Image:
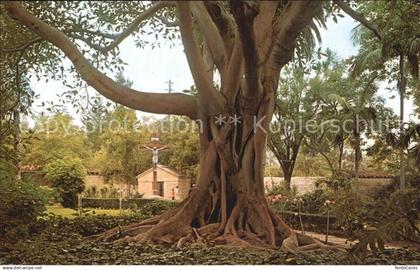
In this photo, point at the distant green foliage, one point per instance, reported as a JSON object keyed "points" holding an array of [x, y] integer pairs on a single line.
{"points": [[184, 147], [6, 170], [56, 136], [21, 204], [119, 154], [67, 177]]}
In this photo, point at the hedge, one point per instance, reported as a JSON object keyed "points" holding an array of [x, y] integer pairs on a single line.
{"points": [[110, 203]]}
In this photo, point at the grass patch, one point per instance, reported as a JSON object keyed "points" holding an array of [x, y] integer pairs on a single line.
{"points": [[71, 213]]}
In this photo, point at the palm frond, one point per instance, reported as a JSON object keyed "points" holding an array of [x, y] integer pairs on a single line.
{"points": [[342, 101], [365, 60]]}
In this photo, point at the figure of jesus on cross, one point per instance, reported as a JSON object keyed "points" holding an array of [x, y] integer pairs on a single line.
{"points": [[155, 147]]}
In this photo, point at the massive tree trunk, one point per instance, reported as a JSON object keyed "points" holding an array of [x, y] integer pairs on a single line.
{"points": [[248, 45]]}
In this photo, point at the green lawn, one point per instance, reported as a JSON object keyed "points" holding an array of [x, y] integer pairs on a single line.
{"points": [[70, 213]]}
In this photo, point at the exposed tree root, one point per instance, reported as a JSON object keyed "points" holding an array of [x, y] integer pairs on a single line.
{"points": [[298, 243], [174, 230]]}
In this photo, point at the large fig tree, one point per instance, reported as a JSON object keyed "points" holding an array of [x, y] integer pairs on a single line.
{"points": [[247, 43]]}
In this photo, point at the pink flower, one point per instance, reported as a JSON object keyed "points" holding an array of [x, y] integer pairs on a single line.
{"points": [[328, 202]]}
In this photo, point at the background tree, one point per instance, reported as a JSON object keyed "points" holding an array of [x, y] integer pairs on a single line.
{"points": [[67, 177], [357, 114], [15, 100], [183, 152], [120, 156], [389, 43], [327, 127], [94, 120], [55, 137], [290, 118]]}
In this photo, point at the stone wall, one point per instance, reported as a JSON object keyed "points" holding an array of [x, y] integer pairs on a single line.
{"points": [[91, 180], [97, 181], [307, 184], [303, 184], [371, 185]]}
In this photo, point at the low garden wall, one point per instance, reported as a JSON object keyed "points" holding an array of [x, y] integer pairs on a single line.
{"points": [[308, 184]]}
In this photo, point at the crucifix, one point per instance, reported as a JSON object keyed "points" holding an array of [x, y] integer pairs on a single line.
{"points": [[155, 147]]}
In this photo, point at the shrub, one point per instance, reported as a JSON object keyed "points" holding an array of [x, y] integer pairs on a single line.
{"points": [[395, 217], [312, 202], [280, 188], [156, 207], [111, 203], [350, 208], [67, 177], [338, 182], [151, 206], [21, 204]]}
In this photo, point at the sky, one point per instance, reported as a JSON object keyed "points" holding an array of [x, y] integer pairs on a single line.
{"points": [[150, 69]]}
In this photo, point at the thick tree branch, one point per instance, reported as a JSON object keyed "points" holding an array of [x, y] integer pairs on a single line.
{"points": [[208, 60], [226, 27], [224, 23], [178, 104], [210, 34], [206, 90], [231, 79], [295, 16], [244, 14], [264, 23], [358, 17]]}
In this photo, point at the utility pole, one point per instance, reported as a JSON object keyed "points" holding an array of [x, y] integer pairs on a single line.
{"points": [[155, 147], [170, 83]]}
